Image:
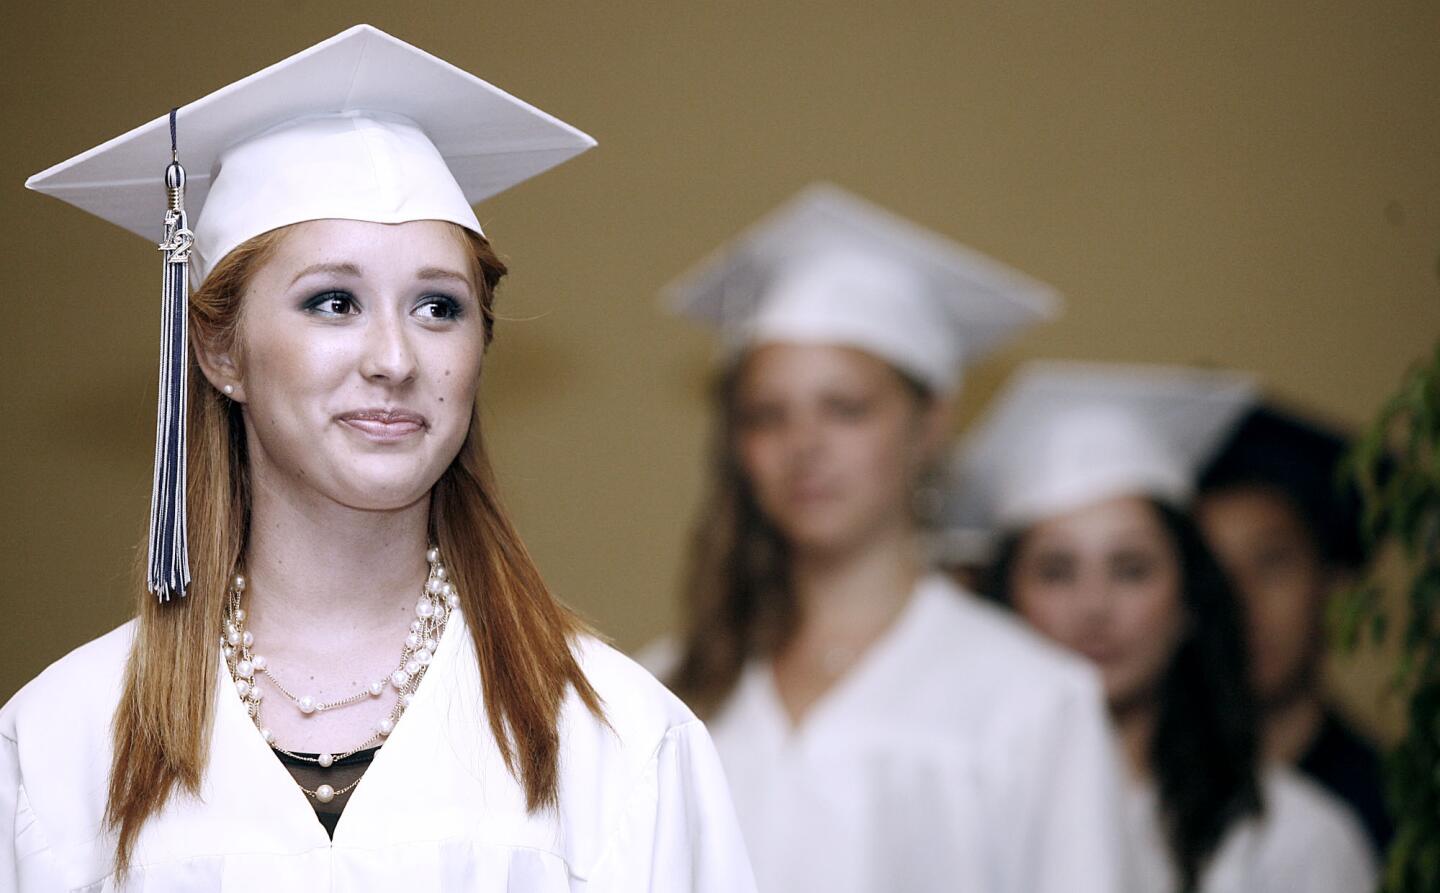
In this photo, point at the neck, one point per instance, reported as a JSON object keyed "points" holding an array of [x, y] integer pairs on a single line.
{"points": [[858, 590], [1135, 727], [846, 601], [1289, 728], [325, 566]]}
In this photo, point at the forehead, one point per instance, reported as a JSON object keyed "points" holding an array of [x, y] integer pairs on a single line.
{"points": [[1256, 500], [1128, 520], [373, 248], [791, 367]]}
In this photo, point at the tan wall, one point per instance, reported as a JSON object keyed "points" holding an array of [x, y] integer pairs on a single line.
{"points": [[1238, 183]]}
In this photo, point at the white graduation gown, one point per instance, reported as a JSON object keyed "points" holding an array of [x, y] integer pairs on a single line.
{"points": [[962, 753], [642, 807], [1306, 840]]}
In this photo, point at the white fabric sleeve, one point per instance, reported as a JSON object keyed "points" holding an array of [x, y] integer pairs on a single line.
{"points": [[1342, 864], [1065, 832], [1319, 847], [679, 832], [9, 819], [26, 861]]}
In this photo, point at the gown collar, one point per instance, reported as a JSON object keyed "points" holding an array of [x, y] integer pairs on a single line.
{"points": [[249, 801], [873, 671]]}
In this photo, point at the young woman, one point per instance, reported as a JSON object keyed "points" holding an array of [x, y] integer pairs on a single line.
{"points": [[356, 678], [1088, 469], [881, 729]]}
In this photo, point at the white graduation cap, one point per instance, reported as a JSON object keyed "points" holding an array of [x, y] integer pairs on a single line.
{"points": [[360, 127], [1061, 436], [828, 267]]}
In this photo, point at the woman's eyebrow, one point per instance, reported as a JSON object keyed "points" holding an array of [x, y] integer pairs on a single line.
{"points": [[337, 269], [432, 273], [347, 269]]}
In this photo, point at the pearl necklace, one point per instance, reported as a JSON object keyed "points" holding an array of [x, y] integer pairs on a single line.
{"points": [[437, 601]]}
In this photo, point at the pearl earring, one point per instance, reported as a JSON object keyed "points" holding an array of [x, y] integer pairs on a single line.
{"points": [[229, 389]]}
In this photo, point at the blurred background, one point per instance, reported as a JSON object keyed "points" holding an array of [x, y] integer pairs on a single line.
{"points": [[1237, 184]]}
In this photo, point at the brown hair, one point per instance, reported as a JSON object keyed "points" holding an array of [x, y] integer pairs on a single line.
{"points": [[522, 634], [737, 597]]}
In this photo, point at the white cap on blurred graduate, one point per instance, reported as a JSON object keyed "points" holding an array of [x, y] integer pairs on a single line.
{"points": [[1061, 436], [830, 268], [360, 127]]}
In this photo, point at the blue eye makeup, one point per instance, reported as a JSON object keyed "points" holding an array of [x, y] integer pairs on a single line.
{"points": [[440, 307], [338, 302], [331, 303]]}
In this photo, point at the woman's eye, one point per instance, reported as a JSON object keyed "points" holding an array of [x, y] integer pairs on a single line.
{"points": [[1133, 570], [759, 418], [846, 408], [439, 307], [1054, 570], [332, 303]]}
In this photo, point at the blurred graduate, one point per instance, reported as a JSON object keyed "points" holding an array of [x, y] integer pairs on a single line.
{"points": [[1085, 473], [881, 728], [1287, 530]]}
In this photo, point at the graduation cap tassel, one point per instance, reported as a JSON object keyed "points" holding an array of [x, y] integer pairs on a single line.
{"points": [[169, 555]]}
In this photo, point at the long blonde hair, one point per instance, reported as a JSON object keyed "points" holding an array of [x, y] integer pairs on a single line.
{"points": [[522, 635]]}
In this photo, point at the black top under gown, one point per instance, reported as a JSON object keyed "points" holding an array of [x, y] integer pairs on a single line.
{"points": [[1348, 765], [340, 774]]}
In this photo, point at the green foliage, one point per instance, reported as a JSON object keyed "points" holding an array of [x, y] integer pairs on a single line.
{"points": [[1397, 467]]}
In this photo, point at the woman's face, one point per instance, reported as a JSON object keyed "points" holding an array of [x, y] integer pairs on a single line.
{"points": [[1105, 581], [357, 360], [831, 440]]}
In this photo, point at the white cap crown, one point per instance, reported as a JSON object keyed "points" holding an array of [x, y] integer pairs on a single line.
{"points": [[361, 126], [830, 268], [1061, 436]]}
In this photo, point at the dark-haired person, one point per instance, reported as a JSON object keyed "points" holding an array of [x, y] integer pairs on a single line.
{"points": [[1085, 470], [1275, 513], [353, 678], [881, 729]]}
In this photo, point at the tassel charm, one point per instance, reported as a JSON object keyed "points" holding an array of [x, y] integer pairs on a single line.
{"points": [[169, 553]]}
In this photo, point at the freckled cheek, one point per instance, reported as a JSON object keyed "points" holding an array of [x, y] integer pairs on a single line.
{"points": [[284, 374], [454, 381]]}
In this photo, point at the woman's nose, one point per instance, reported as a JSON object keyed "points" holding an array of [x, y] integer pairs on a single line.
{"points": [[1095, 598], [805, 436], [389, 356]]}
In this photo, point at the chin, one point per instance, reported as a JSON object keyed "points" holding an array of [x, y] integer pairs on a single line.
{"points": [[824, 534], [369, 497], [378, 489], [1123, 691]]}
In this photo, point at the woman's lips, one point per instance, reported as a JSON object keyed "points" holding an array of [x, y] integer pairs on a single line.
{"points": [[810, 495], [384, 424]]}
